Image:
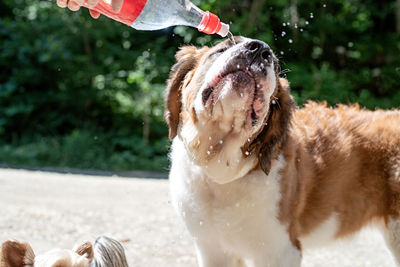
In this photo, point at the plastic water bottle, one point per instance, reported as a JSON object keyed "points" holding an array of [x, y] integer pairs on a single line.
{"points": [[159, 14]]}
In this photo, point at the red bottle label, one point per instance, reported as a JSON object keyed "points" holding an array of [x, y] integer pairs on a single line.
{"points": [[130, 10]]}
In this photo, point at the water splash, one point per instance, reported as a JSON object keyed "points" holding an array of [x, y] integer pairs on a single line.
{"points": [[231, 38]]}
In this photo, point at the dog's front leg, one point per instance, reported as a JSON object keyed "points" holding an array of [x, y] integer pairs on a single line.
{"points": [[210, 254], [288, 257]]}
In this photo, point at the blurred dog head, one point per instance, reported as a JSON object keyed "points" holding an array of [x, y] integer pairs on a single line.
{"points": [[107, 252], [16, 254]]}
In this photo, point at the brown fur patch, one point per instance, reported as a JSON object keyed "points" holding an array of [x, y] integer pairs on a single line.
{"points": [[85, 248], [340, 161], [186, 61], [16, 254]]}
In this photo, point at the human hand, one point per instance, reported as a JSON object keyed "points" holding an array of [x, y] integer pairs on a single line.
{"points": [[75, 5]]}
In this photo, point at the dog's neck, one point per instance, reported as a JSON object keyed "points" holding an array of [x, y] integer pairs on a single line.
{"points": [[220, 156]]}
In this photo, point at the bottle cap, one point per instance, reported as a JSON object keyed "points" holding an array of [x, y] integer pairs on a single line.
{"points": [[211, 24]]}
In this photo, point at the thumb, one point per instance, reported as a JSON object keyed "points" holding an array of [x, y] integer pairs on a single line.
{"points": [[94, 13]]}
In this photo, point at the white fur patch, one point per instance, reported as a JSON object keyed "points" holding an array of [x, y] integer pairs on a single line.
{"points": [[392, 238], [323, 234], [232, 222], [61, 257]]}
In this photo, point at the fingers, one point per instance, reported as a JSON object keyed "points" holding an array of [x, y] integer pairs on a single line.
{"points": [[94, 13], [62, 3], [92, 3], [73, 5], [116, 5]]}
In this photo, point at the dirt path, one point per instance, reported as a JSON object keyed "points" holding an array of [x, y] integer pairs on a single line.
{"points": [[57, 210]]}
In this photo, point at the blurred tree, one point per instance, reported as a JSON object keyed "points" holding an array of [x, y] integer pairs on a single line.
{"points": [[88, 93]]}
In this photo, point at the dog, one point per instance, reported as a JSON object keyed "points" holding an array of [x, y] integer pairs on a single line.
{"points": [[257, 180], [106, 252]]}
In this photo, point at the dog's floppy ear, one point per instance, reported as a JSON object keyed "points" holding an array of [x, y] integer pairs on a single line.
{"points": [[85, 249], [186, 61], [16, 254], [275, 130]]}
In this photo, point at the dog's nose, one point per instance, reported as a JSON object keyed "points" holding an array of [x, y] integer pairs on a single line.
{"points": [[258, 50]]}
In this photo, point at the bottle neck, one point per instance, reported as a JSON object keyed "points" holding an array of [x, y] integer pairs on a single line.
{"points": [[211, 24]]}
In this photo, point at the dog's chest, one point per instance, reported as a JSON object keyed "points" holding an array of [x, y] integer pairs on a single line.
{"points": [[239, 215]]}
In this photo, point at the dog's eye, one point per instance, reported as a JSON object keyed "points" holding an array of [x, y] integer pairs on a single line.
{"points": [[219, 51]]}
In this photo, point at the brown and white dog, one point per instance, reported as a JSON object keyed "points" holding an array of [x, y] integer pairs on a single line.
{"points": [[106, 252], [256, 180]]}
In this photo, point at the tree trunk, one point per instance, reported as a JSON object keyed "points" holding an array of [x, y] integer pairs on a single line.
{"points": [[255, 11], [294, 18], [398, 16], [146, 127]]}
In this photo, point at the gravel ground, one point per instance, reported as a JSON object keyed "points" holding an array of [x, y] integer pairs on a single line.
{"points": [[57, 210]]}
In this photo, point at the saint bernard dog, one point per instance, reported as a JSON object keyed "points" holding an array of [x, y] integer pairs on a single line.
{"points": [[257, 180]]}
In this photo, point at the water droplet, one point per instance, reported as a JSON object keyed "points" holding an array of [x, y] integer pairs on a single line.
{"points": [[301, 30], [211, 147], [284, 24], [273, 102], [248, 140], [238, 66], [288, 23], [208, 152], [311, 15], [295, 25], [290, 41], [324, 5], [241, 94], [247, 153], [258, 86], [283, 33], [220, 141], [307, 22], [282, 52]]}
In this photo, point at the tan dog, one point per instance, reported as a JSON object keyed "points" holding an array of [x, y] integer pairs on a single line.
{"points": [[256, 180], [107, 252]]}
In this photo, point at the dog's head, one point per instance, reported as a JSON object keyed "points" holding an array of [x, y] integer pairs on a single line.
{"points": [[16, 254], [228, 105]]}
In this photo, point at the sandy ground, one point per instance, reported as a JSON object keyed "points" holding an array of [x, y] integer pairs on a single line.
{"points": [[58, 210]]}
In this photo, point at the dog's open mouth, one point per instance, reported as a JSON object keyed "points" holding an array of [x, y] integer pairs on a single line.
{"points": [[242, 82]]}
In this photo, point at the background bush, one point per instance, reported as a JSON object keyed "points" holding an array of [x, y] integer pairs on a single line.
{"points": [[84, 93]]}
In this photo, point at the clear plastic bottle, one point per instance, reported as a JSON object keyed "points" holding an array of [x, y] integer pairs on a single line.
{"points": [[159, 14]]}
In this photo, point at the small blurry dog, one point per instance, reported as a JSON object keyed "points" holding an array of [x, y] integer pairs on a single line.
{"points": [[106, 252]]}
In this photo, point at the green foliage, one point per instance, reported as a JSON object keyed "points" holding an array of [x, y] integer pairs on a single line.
{"points": [[87, 93]]}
